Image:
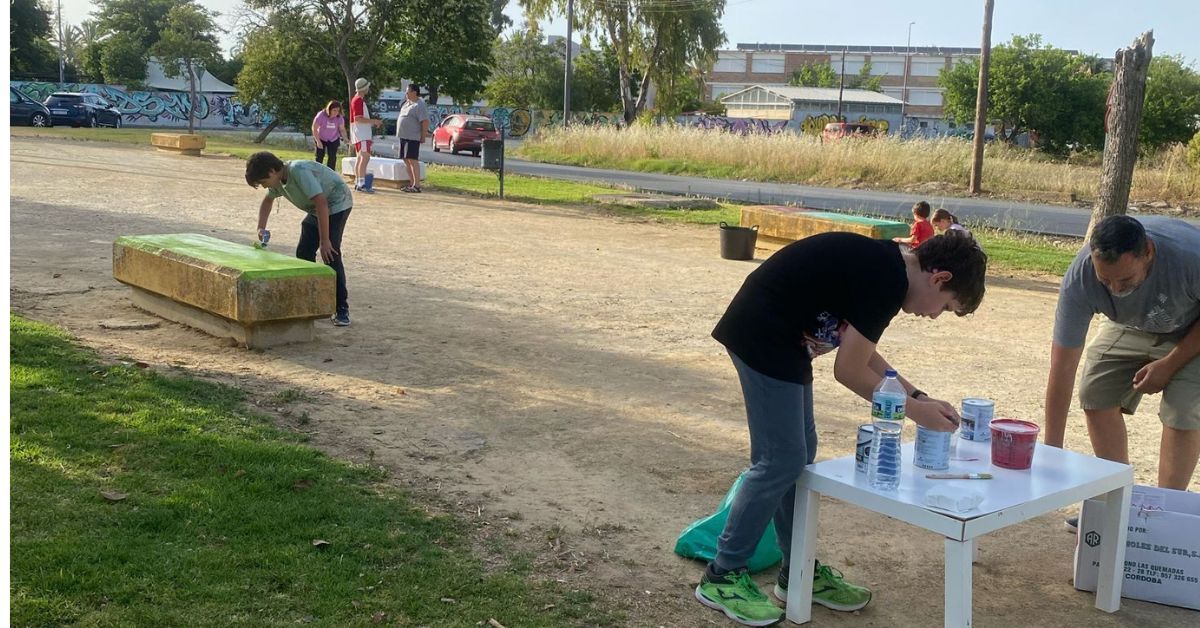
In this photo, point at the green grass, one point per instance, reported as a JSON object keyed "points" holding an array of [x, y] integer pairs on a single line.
{"points": [[1008, 251], [220, 515]]}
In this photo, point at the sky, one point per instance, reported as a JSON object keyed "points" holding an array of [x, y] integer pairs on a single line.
{"points": [[1090, 26]]}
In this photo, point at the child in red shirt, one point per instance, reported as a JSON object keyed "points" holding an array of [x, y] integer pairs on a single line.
{"points": [[922, 229]]}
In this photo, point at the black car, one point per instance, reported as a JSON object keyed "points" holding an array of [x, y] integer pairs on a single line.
{"points": [[25, 110], [82, 109]]}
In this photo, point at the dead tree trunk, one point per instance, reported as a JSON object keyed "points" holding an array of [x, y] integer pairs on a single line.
{"points": [[1121, 118], [981, 100]]}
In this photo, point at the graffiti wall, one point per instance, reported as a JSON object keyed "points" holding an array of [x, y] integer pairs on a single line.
{"points": [[161, 109]]}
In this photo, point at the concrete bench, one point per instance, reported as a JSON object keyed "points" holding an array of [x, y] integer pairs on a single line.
{"points": [[797, 223], [389, 173], [257, 297], [182, 143]]}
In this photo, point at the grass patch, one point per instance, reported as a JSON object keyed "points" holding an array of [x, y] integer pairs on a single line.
{"points": [[211, 515], [1007, 250]]}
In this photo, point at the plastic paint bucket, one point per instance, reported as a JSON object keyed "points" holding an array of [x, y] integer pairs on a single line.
{"points": [[976, 414], [932, 450], [1013, 442], [862, 450]]}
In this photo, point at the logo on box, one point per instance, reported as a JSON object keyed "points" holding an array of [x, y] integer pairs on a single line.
{"points": [[1092, 539]]}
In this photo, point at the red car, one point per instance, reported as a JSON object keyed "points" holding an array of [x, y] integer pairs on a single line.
{"points": [[461, 132]]}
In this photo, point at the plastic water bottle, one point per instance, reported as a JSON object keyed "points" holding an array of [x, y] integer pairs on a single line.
{"points": [[887, 415]]}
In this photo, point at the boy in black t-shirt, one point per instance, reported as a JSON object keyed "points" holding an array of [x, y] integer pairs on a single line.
{"points": [[830, 291]]}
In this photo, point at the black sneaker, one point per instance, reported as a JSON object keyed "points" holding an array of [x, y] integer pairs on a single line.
{"points": [[341, 319], [1072, 525]]}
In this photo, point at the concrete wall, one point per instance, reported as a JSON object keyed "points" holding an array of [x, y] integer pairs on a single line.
{"points": [[162, 109]]}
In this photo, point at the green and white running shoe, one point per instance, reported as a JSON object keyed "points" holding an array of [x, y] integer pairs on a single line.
{"points": [[736, 595], [829, 589]]}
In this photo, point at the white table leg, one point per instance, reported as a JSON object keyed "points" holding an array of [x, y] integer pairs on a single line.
{"points": [[804, 552], [958, 582], [1112, 550]]}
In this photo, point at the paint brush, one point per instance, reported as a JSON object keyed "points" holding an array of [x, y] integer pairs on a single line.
{"points": [[958, 476]]}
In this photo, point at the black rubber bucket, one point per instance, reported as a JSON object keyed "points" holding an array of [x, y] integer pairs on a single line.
{"points": [[738, 242]]}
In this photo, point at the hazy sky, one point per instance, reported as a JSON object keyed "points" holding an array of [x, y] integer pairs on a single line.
{"points": [[1092, 26]]}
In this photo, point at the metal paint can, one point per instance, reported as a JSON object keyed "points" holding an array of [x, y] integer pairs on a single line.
{"points": [[862, 450], [932, 450], [264, 237], [976, 419]]}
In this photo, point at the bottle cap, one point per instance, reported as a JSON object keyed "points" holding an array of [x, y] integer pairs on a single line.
{"points": [[890, 373]]}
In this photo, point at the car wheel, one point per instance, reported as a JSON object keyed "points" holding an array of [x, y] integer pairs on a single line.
{"points": [[39, 119], [452, 148], [436, 149], [118, 124], [475, 153], [92, 122]]}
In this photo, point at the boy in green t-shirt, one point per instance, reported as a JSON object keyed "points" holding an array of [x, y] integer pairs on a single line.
{"points": [[319, 192]]}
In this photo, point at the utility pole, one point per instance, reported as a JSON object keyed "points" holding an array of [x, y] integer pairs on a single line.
{"points": [[61, 65], [981, 101], [907, 70], [1121, 117], [567, 65], [841, 85]]}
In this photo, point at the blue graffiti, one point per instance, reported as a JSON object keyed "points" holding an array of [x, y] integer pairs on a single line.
{"points": [[142, 108]]}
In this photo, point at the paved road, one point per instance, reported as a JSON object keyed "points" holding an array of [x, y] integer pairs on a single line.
{"points": [[1030, 217]]}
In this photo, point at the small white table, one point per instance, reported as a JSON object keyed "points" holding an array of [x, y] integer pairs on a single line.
{"points": [[1058, 479]]}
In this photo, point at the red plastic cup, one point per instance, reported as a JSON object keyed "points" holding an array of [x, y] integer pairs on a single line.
{"points": [[1013, 442]]}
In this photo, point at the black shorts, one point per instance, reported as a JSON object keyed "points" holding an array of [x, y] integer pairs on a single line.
{"points": [[409, 149]]}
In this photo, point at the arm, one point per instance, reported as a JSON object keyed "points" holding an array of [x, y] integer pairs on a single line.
{"points": [[264, 212], [342, 131], [1155, 376], [328, 253], [1063, 363], [424, 130], [316, 134], [854, 369], [879, 365]]}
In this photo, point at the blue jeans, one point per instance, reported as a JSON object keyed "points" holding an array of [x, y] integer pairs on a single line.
{"points": [[783, 440], [310, 245]]}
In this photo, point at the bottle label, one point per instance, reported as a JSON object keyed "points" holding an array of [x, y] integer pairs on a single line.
{"points": [[887, 409]]}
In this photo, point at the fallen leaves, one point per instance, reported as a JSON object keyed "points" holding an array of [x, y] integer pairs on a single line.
{"points": [[114, 496]]}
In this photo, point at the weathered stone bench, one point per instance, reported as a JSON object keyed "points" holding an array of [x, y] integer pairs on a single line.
{"points": [[797, 223], [389, 173], [182, 143], [257, 297]]}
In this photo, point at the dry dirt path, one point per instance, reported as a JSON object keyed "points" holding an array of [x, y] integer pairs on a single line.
{"points": [[548, 372]]}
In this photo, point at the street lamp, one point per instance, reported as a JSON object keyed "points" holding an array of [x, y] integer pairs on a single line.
{"points": [[907, 70]]}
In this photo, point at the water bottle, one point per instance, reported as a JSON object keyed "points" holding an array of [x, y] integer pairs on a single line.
{"points": [[887, 415]]}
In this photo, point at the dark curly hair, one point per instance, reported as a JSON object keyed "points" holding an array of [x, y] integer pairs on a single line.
{"points": [[958, 253], [260, 166]]}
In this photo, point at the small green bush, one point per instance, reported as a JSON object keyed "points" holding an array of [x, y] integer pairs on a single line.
{"points": [[1193, 151]]}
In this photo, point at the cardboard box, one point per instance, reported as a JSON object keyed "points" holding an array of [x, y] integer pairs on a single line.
{"points": [[1162, 550]]}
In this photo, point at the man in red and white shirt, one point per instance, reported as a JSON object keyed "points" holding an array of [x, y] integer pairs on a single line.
{"points": [[361, 124]]}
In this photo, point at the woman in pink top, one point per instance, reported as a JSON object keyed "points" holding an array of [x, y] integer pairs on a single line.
{"points": [[329, 129]]}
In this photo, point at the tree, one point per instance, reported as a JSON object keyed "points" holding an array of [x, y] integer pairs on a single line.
{"points": [[186, 46], [498, 19], [528, 73], [1172, 109], [227, 70], [444, 45], [1127, 97], [123, 60], [283, 76], [30, 51], [823, 75], [1032, 86], [595, 80], [89, 36], [653, 39], [141, 18]]}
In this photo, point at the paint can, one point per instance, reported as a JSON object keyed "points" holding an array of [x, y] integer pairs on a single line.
{"points": [[264, 237], [976, 416], [932, 450], [1013, 443], [862, 450]]}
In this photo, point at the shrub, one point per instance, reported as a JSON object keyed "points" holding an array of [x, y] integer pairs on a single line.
{"points": [[1193, 151]]}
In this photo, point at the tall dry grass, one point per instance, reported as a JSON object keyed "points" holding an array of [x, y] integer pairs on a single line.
{"points": [[878, 162]]}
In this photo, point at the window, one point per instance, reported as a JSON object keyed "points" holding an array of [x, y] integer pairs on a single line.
{"points": [[12, 95], [767, 63], [730, 62], [882, 65], [894, 92], [724, 90], [480, 125], [926, 97], [854, 63], [927, 67]]}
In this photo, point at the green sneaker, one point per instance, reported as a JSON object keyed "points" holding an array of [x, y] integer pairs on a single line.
{"points": [[831, 591], [736, 595]]}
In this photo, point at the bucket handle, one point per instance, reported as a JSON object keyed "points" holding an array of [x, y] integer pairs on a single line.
{"points": [[725, 225]]}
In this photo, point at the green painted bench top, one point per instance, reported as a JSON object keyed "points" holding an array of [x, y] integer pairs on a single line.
{"points": [[789, 223], [858, 220], [252, 263]]}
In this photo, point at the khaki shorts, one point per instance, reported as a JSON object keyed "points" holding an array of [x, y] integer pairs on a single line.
{"points": [[1116, 354]]}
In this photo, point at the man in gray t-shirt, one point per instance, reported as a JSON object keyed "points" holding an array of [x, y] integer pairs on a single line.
{"points": [[412, 127], [1144, 277]]}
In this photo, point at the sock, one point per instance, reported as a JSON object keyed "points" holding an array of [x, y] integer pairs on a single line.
{"points": [[714, 572]]}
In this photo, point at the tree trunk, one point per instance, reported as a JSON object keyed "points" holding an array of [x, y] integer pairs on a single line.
{"points": [[431, 96], [192, 104], [262, 137], [628, 106], [981, 100], [1124, 111]]}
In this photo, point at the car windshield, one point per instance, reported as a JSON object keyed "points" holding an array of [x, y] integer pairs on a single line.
{"points": [[481, 125], [65, 98]]}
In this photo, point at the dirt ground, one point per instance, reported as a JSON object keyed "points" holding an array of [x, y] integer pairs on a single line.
{"points": [[549, 373]]}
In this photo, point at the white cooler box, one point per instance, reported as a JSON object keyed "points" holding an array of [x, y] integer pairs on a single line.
{"points": [[383, 168], [1162, 550]]}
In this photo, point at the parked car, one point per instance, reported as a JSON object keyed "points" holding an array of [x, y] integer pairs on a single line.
{"points": [[838, 130], [24, 110], [461, 132], [82, 109]]}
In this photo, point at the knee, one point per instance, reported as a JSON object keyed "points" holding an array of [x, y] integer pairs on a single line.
{"points": [[780, 470]]}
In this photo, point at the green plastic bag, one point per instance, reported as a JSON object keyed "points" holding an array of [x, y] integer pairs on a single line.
{"points": [[699, 540]]}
